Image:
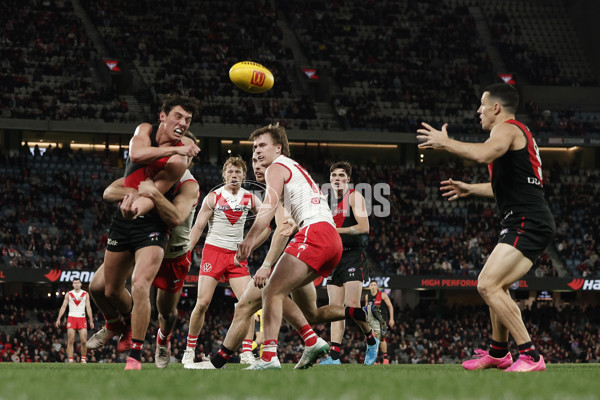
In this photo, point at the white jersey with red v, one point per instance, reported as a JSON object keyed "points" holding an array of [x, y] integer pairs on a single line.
{"points": [[302, 198], [226, 226], [77, 303]]}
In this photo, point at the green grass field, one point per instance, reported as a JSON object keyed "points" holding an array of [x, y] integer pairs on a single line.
{"points": [[348, 382]]}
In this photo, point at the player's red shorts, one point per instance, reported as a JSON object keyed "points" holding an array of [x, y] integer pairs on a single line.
{"points": [[172, 273], [318, 245], [76, 323], [218, 263]]}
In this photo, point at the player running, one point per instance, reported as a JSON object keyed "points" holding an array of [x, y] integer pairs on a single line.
{"points": [[316, 248], [251, 301]]}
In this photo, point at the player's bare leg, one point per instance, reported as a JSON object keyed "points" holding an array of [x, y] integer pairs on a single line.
{"points": [[148, 260], [337, 297], [289, 274], [83, 344], [120, 301], [506, 265], [166, 304], [206, 289], [70, 343], [250, 302], [238, 285], [112, 310]]}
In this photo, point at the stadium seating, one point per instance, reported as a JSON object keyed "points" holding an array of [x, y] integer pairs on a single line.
{"points": [[48, 65]]}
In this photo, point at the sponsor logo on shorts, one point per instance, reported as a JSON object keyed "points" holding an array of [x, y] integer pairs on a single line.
{"points": [[206, 267], [154, 236], [112, 242]]}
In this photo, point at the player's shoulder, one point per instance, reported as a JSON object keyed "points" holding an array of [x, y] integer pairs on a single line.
{"points": [[143, 129], [188, 177], [511, 127]]}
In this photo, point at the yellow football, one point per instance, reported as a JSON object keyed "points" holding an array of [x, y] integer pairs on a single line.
{"points": [[251, 77]]}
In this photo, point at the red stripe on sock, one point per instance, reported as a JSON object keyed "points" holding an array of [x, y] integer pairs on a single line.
{"points": [[269, 350], [246, 346]]}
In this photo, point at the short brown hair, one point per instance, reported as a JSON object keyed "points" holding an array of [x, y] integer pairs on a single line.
{"points": [[507, 95], [188, 103], [277, 134], [236, 162], [345, 165]]}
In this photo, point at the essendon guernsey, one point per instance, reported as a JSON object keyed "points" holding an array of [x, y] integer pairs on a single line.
{"points": [[343, 216], [517, 176]]}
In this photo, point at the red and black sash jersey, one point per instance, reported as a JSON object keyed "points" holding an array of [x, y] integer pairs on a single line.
{"points": [[517, 177], [343, 216], [137, 173], [377, 299]]}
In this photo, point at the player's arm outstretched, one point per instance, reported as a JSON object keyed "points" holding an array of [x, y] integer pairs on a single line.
{"points": [[285, 228], [500, 141], [88, 310], [205, 213], [62, 310], [458, 189]]}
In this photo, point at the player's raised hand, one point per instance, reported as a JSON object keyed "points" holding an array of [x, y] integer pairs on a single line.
{"points": [[430, 137], [261, 278], [454, 189]]}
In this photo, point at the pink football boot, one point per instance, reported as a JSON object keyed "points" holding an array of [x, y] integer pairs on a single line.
{"points": [[526, 363], [483, 360]]}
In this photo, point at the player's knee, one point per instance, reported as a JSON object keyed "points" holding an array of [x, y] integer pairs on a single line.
{"points": [[270, 292], [110, 293], [167, 313], [485, 287], [245, 309], [96, 289], [202, 305]]}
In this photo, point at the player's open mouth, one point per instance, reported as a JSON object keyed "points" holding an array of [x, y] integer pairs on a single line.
{"points": [[179, 131]]}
